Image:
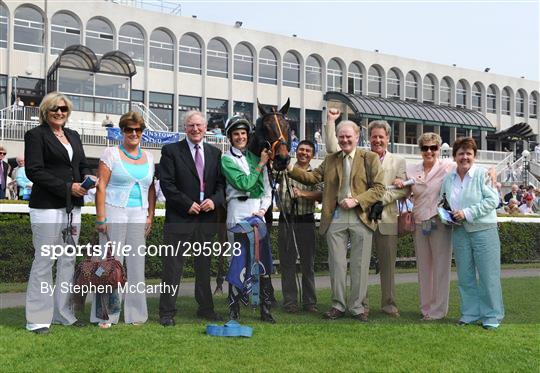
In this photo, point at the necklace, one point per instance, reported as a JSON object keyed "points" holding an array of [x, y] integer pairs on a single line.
{"points": [[134, 157], [59, 135]]}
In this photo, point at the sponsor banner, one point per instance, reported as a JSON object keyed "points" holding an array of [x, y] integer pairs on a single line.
{"points": [[153, 137]]}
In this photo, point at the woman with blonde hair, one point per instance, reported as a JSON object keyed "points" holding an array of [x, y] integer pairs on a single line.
{"points": [[56, 165]]}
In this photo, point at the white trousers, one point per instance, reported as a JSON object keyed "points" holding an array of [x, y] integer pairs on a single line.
{"points": [[125, 226], [43, 304]]}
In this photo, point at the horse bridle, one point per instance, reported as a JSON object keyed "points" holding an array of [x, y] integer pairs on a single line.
{"points": [[281, 140]]}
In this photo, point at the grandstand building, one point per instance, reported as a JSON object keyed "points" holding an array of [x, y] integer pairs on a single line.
{"points": [[109, 56]]}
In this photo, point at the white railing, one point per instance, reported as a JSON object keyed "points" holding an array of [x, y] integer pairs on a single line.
{"points": [[503, 165], [516, 173], [16, 113], [151, 120]]}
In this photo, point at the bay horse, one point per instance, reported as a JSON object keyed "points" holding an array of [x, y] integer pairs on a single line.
{"points": [[272, 132]]}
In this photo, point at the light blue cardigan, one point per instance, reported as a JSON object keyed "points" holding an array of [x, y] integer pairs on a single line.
{"points": [[479, 197]]}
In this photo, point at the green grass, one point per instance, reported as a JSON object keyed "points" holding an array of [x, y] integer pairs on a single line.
{"points": [[296, 343]]}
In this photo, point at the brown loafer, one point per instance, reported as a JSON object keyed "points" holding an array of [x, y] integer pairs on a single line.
{"points": [[333, 314], [362, 317]]}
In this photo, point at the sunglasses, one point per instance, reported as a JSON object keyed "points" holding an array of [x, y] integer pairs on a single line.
{"points": [[138, 130], [63, 109], [433, 148], [3, 153]]}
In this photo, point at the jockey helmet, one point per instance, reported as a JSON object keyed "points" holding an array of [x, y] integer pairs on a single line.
{"points": [[237, 122]]}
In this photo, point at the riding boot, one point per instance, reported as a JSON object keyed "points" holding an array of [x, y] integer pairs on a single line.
{"points": [[234, 303], [266, 302]]}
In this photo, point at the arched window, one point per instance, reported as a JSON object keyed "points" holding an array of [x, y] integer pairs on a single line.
{"points": [[476, 97], [28, 32], [243, 63], [491, 97], [461, 94], [99, 36], [131, 42], [354, 79], [291, 70], [217, 59], [65, 31], [428, 87], [267, 67], [411, 87], [533, 105], [392, 84], [4, 21], [505, 102], [374, 82], [444, 92], [189, 55], [313, 74], [161, 50], [334, 76], [520, 104]]}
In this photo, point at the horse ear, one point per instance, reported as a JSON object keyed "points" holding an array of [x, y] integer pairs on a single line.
{"points": [[261, 108], [285, 107]]}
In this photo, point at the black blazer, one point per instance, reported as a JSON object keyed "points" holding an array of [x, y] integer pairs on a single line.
{"points": [[5, 174], [180, 185], [48, 167]]}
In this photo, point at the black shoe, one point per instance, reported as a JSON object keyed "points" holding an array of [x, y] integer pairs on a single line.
{"points": [[78, 324], [266, 316], [292, 308], [462, 323], [210, 316], [43, 330], [167, 321], [311, 308]]}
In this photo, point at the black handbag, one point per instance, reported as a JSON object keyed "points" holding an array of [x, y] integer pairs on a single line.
{"points": [[375, 210]]}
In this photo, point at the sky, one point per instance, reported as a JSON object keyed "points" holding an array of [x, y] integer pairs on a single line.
{"points": [[502, 35]]}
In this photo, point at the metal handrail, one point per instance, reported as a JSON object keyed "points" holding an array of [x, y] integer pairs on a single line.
{"points": [[16, 113], [151, 120]]}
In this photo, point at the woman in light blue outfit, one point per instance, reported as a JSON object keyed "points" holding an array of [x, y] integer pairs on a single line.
{"points": [[125, 204], [471, 193], [23, 182]]}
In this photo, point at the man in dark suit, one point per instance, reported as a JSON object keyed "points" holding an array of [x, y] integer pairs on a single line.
{"points": [[515, 193], [193, 185], [4, 171]]}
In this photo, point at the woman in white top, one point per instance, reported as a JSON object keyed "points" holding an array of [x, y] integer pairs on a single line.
{"points": [[56, 165], [125, 204]]}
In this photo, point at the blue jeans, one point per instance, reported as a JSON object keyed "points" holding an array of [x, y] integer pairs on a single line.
{"points": [[481, 299]]}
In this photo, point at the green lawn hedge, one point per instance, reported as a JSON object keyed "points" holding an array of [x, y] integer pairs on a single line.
{"points": [[519, 241]]}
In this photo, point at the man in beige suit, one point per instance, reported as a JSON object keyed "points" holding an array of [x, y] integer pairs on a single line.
{"points": [[385, 236], [344, 217]]}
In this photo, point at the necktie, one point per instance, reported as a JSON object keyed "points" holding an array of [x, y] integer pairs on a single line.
{"points": [[346, 184], [199, 164]]}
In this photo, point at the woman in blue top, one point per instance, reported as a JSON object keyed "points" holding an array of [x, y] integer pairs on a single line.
{"points": [[23, 182], [473, 198], [125, 204]]}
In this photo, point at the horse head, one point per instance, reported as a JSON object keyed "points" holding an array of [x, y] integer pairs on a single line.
{"points": [[272, 132]]}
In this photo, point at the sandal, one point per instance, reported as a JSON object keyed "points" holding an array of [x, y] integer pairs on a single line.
{"points": [[104, 325]]}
